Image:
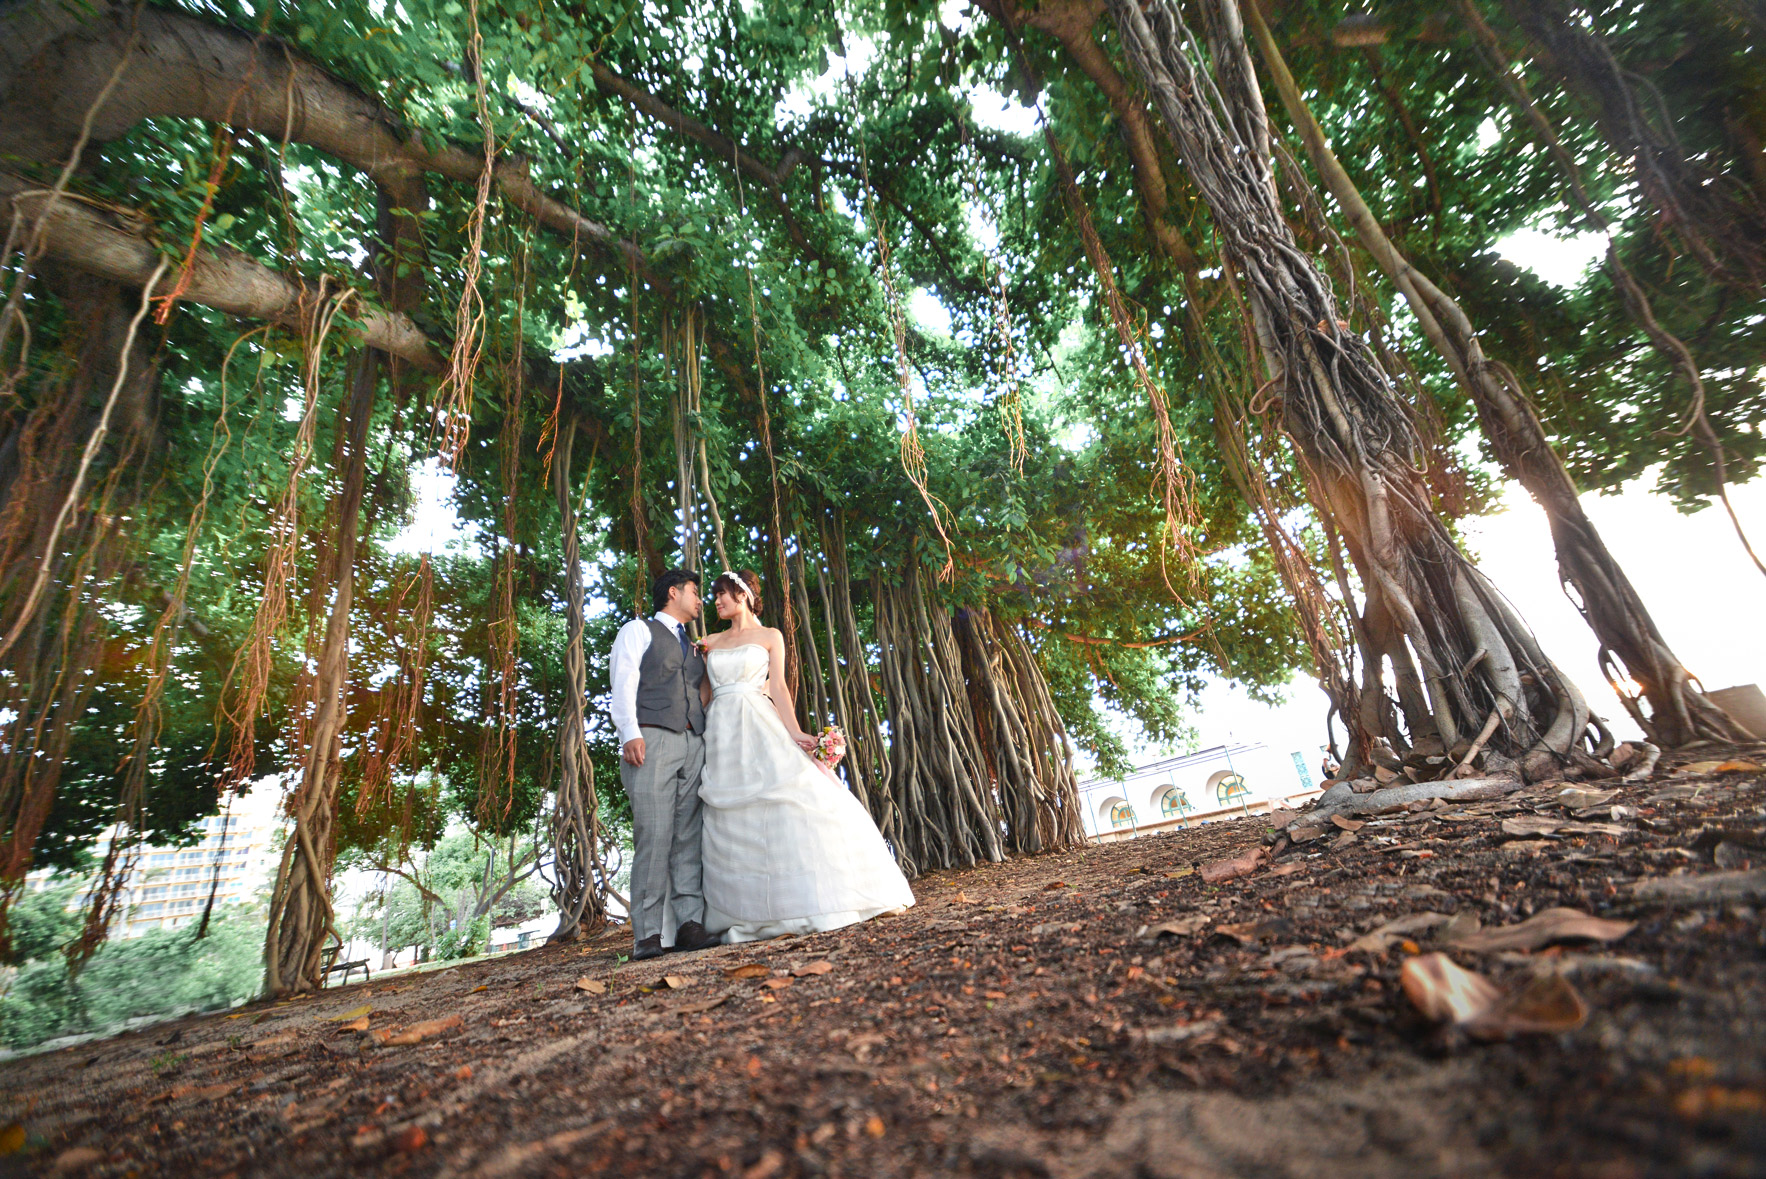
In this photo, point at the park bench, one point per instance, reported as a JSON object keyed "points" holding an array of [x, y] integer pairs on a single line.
{"points": [[332, 966]]}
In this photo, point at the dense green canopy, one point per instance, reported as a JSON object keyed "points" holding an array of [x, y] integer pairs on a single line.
{"points": [[732, 222]]}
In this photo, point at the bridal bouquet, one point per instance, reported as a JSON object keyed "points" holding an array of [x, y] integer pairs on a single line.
{"points": [[830, 746]]}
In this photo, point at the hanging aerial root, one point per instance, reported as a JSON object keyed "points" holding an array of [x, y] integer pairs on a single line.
{"points": [[248, 680], [123, 852], [1355, 437], [1176, 484], [913, 454], [453, 400]]}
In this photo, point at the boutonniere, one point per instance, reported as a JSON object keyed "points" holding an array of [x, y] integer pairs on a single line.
{"points": [[701, 646]]}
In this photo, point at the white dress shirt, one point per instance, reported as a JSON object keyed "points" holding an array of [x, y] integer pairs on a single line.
{"points": [[629, 646]]}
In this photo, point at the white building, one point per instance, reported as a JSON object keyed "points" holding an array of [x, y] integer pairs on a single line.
{"points": [[169, 886], [1223, 782]]}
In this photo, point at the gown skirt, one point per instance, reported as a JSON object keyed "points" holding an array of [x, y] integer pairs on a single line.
{"points": [[787, 848]]}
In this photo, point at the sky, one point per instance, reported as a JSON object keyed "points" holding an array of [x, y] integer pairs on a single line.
{"points": [[1707, 598]]}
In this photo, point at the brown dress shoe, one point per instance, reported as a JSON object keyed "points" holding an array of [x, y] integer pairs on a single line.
{"points": [[694, 936], [650, 947]]}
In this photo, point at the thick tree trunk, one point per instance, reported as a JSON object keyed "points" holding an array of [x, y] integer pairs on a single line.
{"points": [[1477, 660], [578, 877], [949, 816], [301, 917], [867, 765], [1021, 734], [1677, 712]]}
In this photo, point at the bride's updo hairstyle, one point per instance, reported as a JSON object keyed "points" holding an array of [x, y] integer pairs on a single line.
{"points": [[749, 585]]}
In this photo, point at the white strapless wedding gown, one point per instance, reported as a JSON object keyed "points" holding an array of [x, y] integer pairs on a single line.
{"points": [[788, 849]]}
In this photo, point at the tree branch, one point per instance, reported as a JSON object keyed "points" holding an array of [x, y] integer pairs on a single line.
{"points": [[81, 236], [718, 145], [1070, 23]]}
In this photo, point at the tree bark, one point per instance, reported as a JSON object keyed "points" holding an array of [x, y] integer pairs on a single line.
{"points": [[1353, 434], [1070, 22], [83, 238], [1603, 593], [301, 917], [576, 864]]}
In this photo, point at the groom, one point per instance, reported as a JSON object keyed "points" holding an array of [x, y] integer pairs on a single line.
{"points": [[656, 671]]}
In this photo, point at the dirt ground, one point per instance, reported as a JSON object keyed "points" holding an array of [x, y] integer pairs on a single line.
{"points": [[1029, 1019]]}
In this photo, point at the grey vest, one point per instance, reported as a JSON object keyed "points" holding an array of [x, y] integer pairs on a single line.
{"points": [[668, 683]]}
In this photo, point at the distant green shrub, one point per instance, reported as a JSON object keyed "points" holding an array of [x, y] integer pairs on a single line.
{"points": [[161, 973]]}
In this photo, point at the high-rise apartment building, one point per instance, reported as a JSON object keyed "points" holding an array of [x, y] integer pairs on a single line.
{"points": [[169, 886]]}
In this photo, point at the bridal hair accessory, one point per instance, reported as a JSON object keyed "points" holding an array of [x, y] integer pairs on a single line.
{"points": [[741, 585]]}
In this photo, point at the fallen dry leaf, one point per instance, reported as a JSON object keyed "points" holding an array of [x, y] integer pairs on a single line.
{"points": [[12, 1138], [874, 1126], [1232, 869], [1580, 797], [463, 1073], [748, 970], [1181, 927], [1444, 991], [675, 982], [1378, 941], [819, 966], [1054, 884], [417, 1032], [355, 1025], [701, 1006], [411, 1139], [776, 984], [352, 1013], [1180, 874], [1741, 767], [1348, 824], [1525, 826], [1545, 1005], [480, 987], [1544, 928], [593, 986], [75, 1157]]}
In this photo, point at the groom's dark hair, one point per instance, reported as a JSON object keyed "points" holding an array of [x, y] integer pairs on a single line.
{"points": [[669, 579]]}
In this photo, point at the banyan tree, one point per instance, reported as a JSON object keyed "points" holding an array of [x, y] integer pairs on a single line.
{"points": [[636, 293]]}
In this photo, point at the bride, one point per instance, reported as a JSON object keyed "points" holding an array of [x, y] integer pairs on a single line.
{"points": [[788, 850]]}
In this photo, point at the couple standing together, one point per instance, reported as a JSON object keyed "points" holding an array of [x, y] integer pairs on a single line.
{"points": [[738, 833]]}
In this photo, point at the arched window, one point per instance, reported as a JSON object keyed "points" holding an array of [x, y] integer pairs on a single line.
{"points": [[1122, 815], [1230, 789], [1174, 803]]}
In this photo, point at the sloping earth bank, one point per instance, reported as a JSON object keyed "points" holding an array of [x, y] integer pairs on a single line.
{"points": [[1030, 1018]]}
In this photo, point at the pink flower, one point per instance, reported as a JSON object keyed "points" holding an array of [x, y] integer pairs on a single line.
{"points": [[831, 745]]}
